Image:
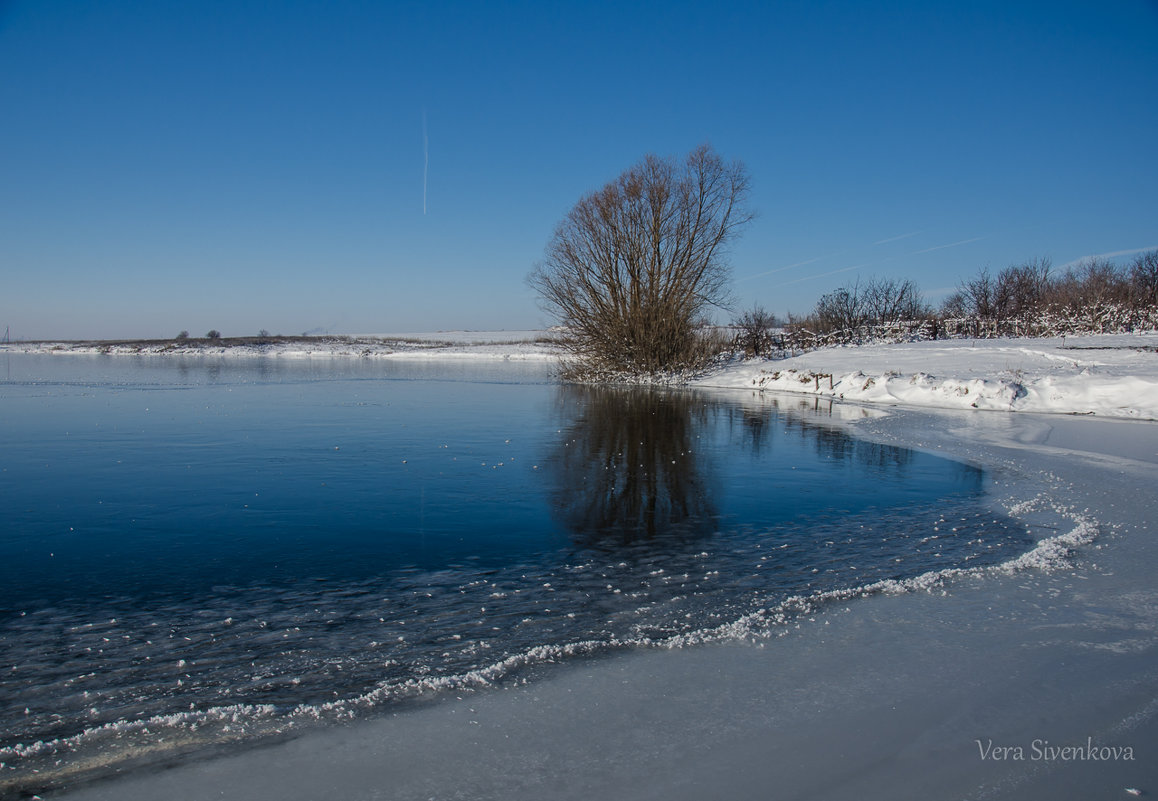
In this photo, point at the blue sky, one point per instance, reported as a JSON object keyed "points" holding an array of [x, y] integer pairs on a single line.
{"points": [[246, 165]]}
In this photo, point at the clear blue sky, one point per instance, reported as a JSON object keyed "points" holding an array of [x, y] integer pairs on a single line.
{"points": [[244, 165]]}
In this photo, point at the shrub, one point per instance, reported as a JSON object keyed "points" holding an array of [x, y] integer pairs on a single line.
{"points": [[754, 331]]}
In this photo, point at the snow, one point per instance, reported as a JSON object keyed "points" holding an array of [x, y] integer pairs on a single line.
{"points": [[503, 337], [1108, 376], [481, 345], [1105, 375]]}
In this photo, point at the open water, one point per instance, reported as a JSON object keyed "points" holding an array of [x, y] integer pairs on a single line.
{"points": [[200, 553]]}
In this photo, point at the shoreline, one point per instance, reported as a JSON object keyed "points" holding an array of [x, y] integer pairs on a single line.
{"points": [[1106, 375], [878, 697], [506, 345]]}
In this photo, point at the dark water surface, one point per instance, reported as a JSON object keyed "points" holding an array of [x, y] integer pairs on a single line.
{"points": [[218, 549]]}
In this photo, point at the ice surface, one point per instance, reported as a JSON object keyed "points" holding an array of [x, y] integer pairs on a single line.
{"points": [[885, 696]]}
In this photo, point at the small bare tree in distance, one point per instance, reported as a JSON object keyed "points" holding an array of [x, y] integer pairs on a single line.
{"points": [[1144, 280], [890, 300], [754, 331], [633, 266], [977, 297], [1021, 289], [842, 309]]}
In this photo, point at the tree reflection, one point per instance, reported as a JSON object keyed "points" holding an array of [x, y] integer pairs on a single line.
{"points": [[628, 467], [810, 419], [634, 464]]}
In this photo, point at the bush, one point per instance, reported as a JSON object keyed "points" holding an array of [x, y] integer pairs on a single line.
{"points": [[754, 331], [213, 334], [1144, 281], [881, 301], [1028, 299]]}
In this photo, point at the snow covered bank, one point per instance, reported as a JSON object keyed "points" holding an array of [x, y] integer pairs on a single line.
{"points": [[1110, 376]]}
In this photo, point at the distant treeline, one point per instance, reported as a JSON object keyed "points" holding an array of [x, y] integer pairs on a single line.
{"points": [[1028, 299]]}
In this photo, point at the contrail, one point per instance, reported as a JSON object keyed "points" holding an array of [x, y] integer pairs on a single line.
{"points": [[950, 245], [780, 269], [825, 275], [1115, 254], [425, 160], [896, 238]]}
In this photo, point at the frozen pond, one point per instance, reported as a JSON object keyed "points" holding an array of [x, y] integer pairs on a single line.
{"points": [[211, 551]]}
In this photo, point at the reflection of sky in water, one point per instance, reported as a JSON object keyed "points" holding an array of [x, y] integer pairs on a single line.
{"points": [[250, 474], [299, 533]]}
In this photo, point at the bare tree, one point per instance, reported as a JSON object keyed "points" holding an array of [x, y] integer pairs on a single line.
{"points": [[889, 300], [1144, 280], [634, 265], [877, 301], [955, 306], [1094, 282], [841, 309], [754, 334], [977, 297], [1021, 289]]}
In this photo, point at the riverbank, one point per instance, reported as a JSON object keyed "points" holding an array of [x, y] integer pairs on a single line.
{"points": [[1106, 376], [894, 695], [531, 345], [1112, 375]]}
